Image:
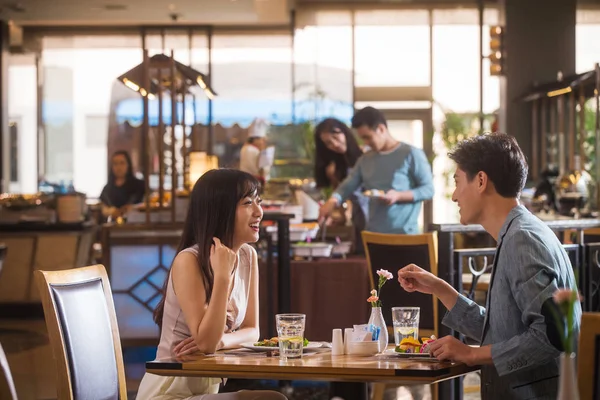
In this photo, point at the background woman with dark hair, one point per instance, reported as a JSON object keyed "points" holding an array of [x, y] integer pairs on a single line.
{"points": [[123, 189], [336, 153], [210, 299]]}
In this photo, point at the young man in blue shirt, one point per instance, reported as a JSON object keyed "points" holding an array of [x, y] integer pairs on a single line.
{"points": [[520, 346], [401, 171]]}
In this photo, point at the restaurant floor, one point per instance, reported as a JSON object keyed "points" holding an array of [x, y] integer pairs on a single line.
{"points": [[30, 359]]}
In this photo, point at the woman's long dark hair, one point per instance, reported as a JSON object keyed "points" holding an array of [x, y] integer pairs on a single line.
{"points": [[129, 175], [324, 156], [211, 213]]}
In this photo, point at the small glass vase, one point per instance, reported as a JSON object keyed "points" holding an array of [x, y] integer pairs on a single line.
{"points": [[567, 384], [376, 319]]}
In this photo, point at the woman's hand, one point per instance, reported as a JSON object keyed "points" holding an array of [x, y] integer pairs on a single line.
{"points": [[222, 259], [189, 346], [186, 346]]}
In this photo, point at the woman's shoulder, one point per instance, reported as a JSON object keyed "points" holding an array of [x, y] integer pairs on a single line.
{"points": [[138, 182], [247, 254], [105, 189], [186, 259], [193, 250]]}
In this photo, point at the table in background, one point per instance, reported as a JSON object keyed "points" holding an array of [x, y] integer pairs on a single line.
{"points": [[331, 292]]}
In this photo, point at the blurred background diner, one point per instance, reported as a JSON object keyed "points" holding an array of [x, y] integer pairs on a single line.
{"points": [[123, 189], [111, 111]]}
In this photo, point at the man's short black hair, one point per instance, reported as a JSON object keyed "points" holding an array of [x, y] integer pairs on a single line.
{"points": [[499, 156], [369, 116]]}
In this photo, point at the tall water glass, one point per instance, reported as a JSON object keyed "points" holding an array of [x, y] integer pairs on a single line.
{"points": [[290, 331], [406, 323]]}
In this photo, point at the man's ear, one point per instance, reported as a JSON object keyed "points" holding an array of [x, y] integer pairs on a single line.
{"points": [[482, 181]]}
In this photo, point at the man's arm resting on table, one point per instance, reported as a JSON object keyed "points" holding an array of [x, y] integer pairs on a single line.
{"points": [[463, 316], [481, 355]]}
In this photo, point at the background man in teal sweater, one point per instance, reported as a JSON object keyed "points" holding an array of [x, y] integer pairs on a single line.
{"points": [[401, 171]]}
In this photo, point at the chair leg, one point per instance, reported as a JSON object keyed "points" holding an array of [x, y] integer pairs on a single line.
{"points": [[378, 391], [434, 391]]}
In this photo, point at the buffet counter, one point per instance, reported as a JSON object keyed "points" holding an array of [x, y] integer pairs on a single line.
{"points": [[32, 246]]}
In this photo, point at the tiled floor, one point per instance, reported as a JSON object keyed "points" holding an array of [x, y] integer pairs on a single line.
{"points": [[30, 359]]}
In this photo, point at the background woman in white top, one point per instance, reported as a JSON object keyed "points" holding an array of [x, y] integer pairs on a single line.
{"points": [[211, 294]]}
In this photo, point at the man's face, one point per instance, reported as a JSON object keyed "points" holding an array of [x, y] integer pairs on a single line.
{"points": [[261, 143], [468, 196], [374, 138]]}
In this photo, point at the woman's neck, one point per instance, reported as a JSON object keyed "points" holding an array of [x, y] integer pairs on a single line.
{"points": [[237, 247], [120, 181]]}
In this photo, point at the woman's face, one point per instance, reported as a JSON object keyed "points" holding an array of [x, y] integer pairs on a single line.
{"points": [[248, 215], [119, 166], [334, 141]]}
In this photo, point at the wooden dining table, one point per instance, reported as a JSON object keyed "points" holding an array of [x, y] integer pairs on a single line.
{"points": [[345, 370]]}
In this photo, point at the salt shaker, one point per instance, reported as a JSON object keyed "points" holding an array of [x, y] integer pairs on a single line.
{"points": [[337, 343], [347, 338]]}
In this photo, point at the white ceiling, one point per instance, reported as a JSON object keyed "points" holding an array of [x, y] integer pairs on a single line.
{"points": [[187, 12], [145, 12]]}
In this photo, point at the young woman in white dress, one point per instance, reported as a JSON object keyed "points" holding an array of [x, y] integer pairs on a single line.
{"points": [[211, 293]]}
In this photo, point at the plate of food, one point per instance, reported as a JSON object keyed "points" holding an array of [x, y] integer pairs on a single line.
{"points": [[411, 348], [374, 193], [273, 344]]}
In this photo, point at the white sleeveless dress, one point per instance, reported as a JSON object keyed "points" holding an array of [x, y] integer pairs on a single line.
{"points": [[175, 329]]}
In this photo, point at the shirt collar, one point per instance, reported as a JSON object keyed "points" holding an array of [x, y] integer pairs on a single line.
{"points": [[517, 211]]}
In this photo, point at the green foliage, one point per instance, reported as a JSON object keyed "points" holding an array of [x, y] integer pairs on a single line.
{"points": [[308, 140], [455, 128], [589, 144]]}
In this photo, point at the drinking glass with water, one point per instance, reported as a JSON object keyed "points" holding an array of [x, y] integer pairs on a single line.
{"points": [[290, 331], [406, 323]]}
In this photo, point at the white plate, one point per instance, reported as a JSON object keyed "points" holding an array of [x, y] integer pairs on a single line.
{"points": [[392, 352], [374, 193], [251, 346]]}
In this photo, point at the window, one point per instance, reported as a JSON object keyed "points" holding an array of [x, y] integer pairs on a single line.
{"points": [[392, 48], [80, 75], [456, 88], [252, 75], [22, 111], [456, 67], [587, 45], [323, 66]]}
